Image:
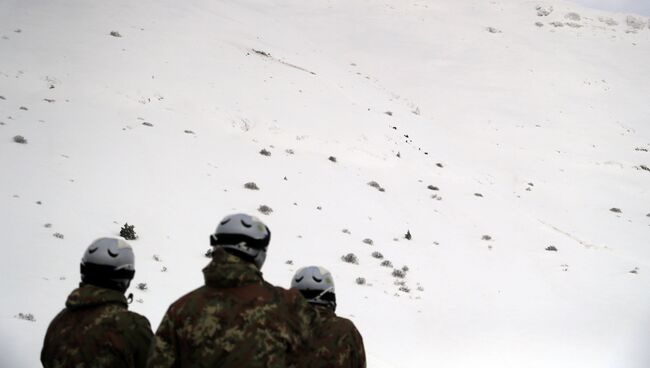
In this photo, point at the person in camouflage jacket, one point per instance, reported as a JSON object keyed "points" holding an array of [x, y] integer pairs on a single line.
{"points": [[337, 342], [96, 329], [236, 319]]}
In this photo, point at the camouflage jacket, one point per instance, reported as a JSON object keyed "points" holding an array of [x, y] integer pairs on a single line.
{"points": [[338, 343], [235, 320], [96, 330]]}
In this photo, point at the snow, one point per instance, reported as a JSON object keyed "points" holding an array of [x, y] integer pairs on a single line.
{"points": [[563, 108]]}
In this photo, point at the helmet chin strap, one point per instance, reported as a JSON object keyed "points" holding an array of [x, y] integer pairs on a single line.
{"points": [[318, 299]]}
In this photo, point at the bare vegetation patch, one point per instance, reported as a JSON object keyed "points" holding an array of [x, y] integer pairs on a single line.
{"points": [[26, 317], [543, 11], [20, 139], [251, 185], [408, 235], [398, 273], [376, 185], [128, 232], [608, 21], [265, 152], [264, 209], [350, 258], [573, 17]]}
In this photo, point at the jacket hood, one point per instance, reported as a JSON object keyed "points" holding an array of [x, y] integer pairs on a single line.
{"points": [[87, 295], [227, 270]]}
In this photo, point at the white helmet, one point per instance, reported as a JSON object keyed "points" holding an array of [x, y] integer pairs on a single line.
{"points": [[316, 284], [109, 263], [244, 235]]}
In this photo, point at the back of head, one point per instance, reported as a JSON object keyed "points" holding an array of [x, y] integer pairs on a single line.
{"points": [[108, 263], [316, 284], [244, 236]]}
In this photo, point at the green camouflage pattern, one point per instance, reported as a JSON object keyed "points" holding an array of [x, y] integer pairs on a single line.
{"points": [[338, 343], [235, 320], [96, 329]]}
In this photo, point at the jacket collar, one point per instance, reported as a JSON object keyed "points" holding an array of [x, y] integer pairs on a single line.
{"points": [[87, 295], [227, 270]]}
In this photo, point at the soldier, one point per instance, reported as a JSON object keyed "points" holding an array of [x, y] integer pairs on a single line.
{"points": [[96, 329], [236, 319], [338, 344]]}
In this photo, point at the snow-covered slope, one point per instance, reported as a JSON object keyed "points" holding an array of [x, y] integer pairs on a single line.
{"points": [[531, 134]]}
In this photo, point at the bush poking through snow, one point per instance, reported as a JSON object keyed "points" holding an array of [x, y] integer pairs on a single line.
{"points": [[20, 139], [332, 158], [265, 152], [289, 262], [635, 23], [608, 21], [350, 258], [539, 24], [408, 235], [386, 263], [486, 237], [572, 16], [26, 317], [142, 286], [115, 34], [542, 11], [377, 255], [128, 232], [615, 210], [399, 273], [635, 270], [376, 185], [251, 185], [405, 268], [208, 253], [346, 231], [58, 235], [156, 258], [551, 248], [360, 281], [368, 241], [432, 187], [264, 209], [493, 30], [404, 289]]}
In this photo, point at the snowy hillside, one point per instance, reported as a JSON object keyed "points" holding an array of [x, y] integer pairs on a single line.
{"points": [[492, 131]]}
